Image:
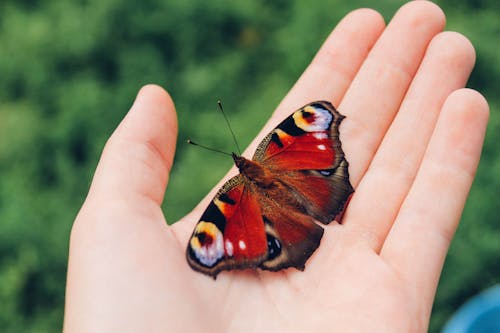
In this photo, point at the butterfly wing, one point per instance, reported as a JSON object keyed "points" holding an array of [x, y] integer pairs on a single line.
{"points": [[292, 236], [305, 156], [242, 228], [304, 152], [231, 232]]}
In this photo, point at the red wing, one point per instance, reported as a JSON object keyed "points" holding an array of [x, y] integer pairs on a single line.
{"points": [[306, 140], [313, 151], [305, 154], [230, 233]]}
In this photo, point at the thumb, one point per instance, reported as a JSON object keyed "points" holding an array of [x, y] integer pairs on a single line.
{"points": [[137, 158]]}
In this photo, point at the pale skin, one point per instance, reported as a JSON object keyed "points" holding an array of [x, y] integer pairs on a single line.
{"points": [[413, 137]]}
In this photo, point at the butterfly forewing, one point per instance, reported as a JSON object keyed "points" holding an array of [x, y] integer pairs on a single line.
{"points": [[230, 233]]}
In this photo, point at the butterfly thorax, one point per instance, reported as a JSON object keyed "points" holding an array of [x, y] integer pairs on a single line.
{"points": [[253, 171]]}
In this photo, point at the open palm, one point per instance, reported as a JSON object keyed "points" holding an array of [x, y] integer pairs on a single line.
{"points": [[412, 136]]}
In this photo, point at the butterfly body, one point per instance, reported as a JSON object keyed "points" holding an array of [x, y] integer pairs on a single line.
{"points": [[266, 216], [254, 172]]}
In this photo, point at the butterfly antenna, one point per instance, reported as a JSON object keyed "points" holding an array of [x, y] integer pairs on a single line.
{"points": [[219, 103], [191, 142]]}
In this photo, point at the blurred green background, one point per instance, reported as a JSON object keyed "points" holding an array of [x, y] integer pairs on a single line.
{"points": [[69, 71]]}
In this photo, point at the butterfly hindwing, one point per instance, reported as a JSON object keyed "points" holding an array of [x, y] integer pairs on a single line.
{"points": [[291, 236], [323, 193]]}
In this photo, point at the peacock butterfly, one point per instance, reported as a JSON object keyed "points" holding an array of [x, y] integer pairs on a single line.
{"points": [[266, 215]]}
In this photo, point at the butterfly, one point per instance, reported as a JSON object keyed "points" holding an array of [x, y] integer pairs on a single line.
{"points": [[267, 215]]}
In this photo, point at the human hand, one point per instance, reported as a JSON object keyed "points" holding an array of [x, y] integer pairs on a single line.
{"points": [[412, 137]]}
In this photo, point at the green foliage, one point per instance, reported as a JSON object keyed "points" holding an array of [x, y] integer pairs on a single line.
{"points": [[71, 69]]}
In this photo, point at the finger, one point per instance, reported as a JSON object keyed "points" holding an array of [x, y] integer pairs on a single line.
{"points": [[333, 68], [376, 93], [445, 68], [417, 243], [337, 61], [121, 227], [137, 158]]}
